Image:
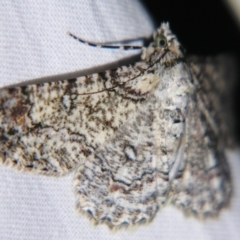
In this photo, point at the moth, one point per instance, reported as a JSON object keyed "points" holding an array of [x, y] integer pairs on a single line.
{"points": [[138, 136]]}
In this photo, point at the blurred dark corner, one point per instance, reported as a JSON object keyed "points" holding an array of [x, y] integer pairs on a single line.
{"points": [[204, 27]]}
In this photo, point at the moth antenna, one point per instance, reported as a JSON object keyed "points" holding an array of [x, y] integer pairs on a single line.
{"points": [[122, 47]]}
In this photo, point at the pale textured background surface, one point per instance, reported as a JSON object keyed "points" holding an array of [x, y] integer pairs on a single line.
{"points": [[33, 44]]}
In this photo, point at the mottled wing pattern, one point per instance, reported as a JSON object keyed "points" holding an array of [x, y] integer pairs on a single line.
{"points": [[215, 79], [126, 181], [204, 185], [51, 127], [129, 178], [140, 135]]}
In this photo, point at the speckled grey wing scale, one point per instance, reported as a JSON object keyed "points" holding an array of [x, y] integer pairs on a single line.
{"points": [[204, 186], [52, 127], [140, 136], [125, 182], [149, 148]]}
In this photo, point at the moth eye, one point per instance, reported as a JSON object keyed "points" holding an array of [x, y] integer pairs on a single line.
{"points": [[161, 41]]}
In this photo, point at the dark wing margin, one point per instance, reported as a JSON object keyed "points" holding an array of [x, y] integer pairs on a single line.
{"points": [[216, 81]]}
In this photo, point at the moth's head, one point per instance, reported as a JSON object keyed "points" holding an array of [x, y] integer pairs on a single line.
{"points": [[166, 44]]}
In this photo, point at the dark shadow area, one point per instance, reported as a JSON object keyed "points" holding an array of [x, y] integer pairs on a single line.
{"points": [[204, 28]]}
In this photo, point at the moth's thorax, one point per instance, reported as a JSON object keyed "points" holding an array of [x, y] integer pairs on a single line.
{"points": [[174, 83]]}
